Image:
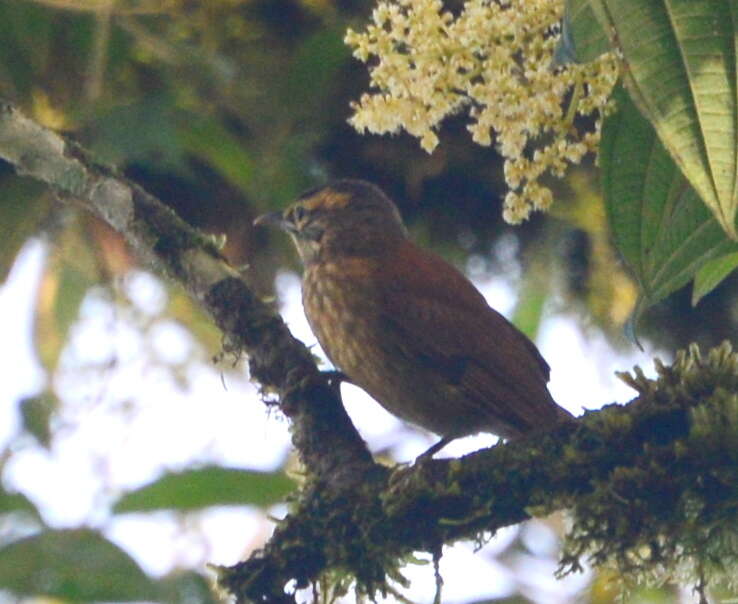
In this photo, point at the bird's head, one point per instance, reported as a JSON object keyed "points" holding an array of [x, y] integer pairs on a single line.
{"points": [[343, 218]]}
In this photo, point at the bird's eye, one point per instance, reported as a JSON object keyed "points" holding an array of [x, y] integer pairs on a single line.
{"points": [[298, 214]]}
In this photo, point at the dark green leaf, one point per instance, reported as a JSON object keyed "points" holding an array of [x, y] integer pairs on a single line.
{"points": [[205, 487], [661, 227], [582, 37], [681, 72], [76, 565], [207, 139], [712, 274], [36, 412]]}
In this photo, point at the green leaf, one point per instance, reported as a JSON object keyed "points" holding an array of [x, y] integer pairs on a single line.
{"points": [[582, 37], [17, 502], [681, 72], [529, 310], [37, 412], [660, 225], [76, 565], [712, 274], [23, 206], [209, 140], [205, 487]]}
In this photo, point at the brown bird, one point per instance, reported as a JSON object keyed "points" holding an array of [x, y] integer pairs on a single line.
{"points": [[406, 326]]}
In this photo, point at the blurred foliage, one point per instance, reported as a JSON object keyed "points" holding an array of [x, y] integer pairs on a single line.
{"points": [[36, 412], [204, 487], [23, 204], [74, 565], [16, 502], [224, 109]]}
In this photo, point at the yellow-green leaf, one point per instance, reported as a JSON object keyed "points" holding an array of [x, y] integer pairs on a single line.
{"points": [[532, 297], [713, 274]]}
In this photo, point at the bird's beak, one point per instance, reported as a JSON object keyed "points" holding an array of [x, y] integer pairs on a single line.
{"points": [[272, 219]]}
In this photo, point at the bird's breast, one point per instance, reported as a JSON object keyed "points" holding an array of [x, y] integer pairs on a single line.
{"points": [[343, 307]]}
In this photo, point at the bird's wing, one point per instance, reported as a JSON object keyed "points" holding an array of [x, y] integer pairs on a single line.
{"points": [[446, 323]]}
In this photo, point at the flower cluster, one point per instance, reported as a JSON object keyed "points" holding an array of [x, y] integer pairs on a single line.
{"points": [[493, 60]]}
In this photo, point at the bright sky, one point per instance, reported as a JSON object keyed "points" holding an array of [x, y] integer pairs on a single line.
{"points": [[118, 424]]}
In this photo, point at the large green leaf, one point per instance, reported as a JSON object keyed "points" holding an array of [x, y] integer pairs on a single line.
{"points": [[681, 72], [582, 37], [205, 487], [74, 565], [661, 227]]}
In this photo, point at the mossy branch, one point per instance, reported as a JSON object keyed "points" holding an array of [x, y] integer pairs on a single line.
{"points": [[651, 484]]}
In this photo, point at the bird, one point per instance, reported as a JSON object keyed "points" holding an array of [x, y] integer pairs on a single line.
{"points": [[408, 327]]}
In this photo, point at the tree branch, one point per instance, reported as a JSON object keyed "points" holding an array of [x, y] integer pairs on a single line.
{"points": [[323, 434], [632, 475]]}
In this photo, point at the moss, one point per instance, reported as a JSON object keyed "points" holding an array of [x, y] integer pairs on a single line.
{"points": [[674, 513]]}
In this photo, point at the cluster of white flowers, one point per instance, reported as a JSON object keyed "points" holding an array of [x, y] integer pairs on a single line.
{"points": [[493, 60]]}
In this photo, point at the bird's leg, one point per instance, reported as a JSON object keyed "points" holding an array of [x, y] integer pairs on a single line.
{"points": [[434, 449], [334, 381]]}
